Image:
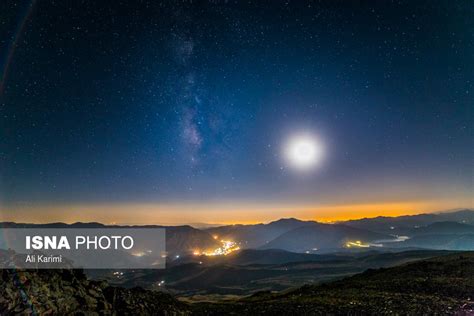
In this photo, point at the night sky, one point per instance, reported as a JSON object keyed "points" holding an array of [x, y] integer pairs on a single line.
{"points": [[179, 111]]}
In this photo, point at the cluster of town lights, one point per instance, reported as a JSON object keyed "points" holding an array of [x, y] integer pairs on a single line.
{"points": [[357, 243], [226, 248]]}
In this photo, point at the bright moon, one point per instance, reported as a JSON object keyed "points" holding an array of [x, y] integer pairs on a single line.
{"points": [[303, 152]]}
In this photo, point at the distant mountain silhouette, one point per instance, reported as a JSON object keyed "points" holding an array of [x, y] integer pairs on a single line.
{"points": [[320, 237], [444, 228], [254, 236], [273, 234], [405, 224], [291, 234], [440, 241], [184, 239], [179, 239]]}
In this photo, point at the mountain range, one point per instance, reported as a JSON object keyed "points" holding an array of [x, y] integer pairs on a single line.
{"points": [[389, 232], [449, 231]]}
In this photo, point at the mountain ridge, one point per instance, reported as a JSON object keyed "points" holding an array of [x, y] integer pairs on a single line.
{"points": [[297, 235]]}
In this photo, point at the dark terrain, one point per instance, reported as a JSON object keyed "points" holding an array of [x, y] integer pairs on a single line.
{"points": [[442, 285], [249, 271], [421, 264]]}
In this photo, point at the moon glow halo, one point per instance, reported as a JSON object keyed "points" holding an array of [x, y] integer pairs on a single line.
{"points": [[303, 152]]}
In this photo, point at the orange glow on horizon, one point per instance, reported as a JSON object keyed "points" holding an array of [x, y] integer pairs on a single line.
{"points": [[225, 213]]}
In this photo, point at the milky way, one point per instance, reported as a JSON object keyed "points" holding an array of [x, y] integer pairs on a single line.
{"points": [[149, 102]]}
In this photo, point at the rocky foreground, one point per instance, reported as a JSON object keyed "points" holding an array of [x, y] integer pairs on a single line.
{"points": [[439, 286], [70, 292]]}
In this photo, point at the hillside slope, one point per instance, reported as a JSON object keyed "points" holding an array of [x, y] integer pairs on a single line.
{"points": [[322, 237], [443, 285], [439, 286], [404, 225], [254, 236], [179, 239]]}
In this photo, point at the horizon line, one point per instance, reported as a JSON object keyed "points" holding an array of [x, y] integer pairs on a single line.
{"points": [[204, 225]]}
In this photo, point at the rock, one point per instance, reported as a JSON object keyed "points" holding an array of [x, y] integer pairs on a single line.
{"points": [[67, 292]]}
